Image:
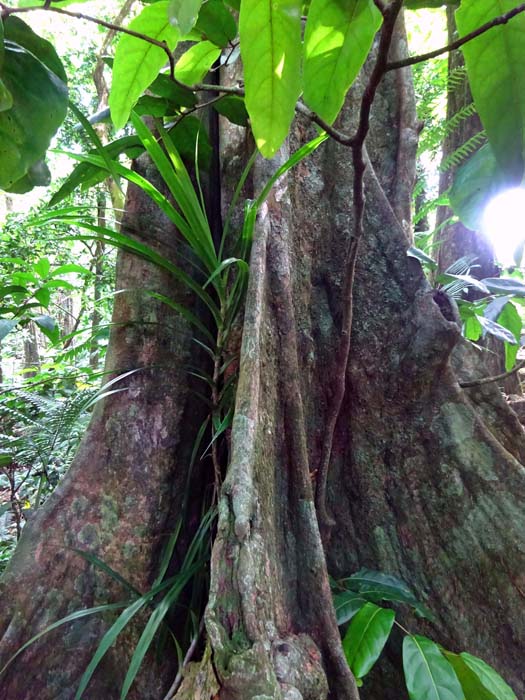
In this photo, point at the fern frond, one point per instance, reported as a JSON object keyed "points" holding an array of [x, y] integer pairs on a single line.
{"points": [[472, 144]]}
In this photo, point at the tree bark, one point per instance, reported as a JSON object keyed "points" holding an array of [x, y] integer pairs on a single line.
{"points": [[120, 498], [426, 479]]}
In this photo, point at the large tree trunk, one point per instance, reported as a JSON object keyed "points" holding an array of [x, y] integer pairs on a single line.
{"points": [[426, 479], [120, 498]]}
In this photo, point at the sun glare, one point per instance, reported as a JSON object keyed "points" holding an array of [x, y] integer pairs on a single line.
{"points": [[504, 224]]}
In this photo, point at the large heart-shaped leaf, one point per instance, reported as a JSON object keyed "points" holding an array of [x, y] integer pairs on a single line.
{"points": [[496, 69], [270, 35], [428, 675], [34, 100], [366, 637], [338, 37], [137, 62]]}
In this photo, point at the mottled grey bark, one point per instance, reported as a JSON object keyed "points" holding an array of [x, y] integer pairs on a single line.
{"points": [[119, 499], [427, 480]]}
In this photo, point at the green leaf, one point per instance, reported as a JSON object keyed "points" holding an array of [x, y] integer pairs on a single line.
{"points": [[376, 585], [270, 35], [497, 330], [346, 605], [473, 329], [49, 327], [366, 637], [233, 108], [6, 98], [471, 685], [35, 90], [502, 285], [491, 680], [42, 267], [183, 14], [43, 295], [68, 268], [495, 64], [338, 37], [195, 63], [137, 62], [511, 320], [428, 675], [6, 326], [475, 183], [216, 24], [188, 135], [164, 86], [86, 175], [21, 33], [423, 258]]}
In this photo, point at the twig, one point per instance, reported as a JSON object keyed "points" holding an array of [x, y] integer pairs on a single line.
{"points": [[490, 380], [187, 658], [497, 21], [6, 11], [342, 355]]}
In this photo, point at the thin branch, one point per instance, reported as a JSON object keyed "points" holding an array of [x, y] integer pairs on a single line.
{"points": [[502, 19], [6, 11], [490, 380]]}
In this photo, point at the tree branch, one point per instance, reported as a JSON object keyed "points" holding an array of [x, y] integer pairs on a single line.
{"points": [[502, 19], [6, 11], [490, 380]]}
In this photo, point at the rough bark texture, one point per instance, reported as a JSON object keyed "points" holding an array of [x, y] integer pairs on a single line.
{"points": [[119, 498], [427, 479]]}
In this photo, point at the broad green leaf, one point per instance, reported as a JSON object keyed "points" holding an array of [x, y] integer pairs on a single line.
{"points": [[48, 326], [366, 637], [497, 330], [183, 14], [511, 320], [68, 268], [428, 675], [233, 108], [1, 42], [35, 90], [21, 33], [346, 605], [472, 329], [502, 285], [137, 62], [495, 64], [193, 65], [376, 585], [475, 183], [216, 23], [471, 685], [6, 98], [423, 258], [6, 326], [43, 295], [270, 35], [495, 307], [491, 680], [42, 267], [338, 37], [164, 86]]}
